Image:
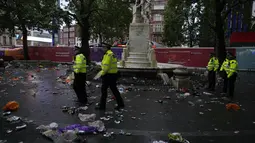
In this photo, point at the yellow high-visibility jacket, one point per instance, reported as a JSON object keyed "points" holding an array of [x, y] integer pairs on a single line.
{"points": [[80, 64], [109, 63], [213, 64], [225, 66], [232, 68]]}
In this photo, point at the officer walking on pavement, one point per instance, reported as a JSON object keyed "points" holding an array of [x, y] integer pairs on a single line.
{"points": [[212, 67], [224, 70], [109, 75], [232, 75], [79, 84]]}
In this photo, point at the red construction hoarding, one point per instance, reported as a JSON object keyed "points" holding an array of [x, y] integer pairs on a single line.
{"points": [[191, 57]]}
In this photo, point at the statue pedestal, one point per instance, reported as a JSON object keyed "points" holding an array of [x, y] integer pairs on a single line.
{"points": [[181, 79], [139, 34], [138, 54]]}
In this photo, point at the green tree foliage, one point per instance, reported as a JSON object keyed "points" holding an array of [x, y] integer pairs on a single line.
{"points": [[211, 27], [173, 23], [29, 14], [105, 19], [181, 25]]}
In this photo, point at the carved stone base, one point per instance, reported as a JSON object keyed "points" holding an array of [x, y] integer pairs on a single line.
{"points": [[139, 37]]}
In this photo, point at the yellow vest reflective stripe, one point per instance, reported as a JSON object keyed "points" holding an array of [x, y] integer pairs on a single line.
{"points": [[213, 64], [232, 68], [109, 63], [80, 64], [225, 65]]}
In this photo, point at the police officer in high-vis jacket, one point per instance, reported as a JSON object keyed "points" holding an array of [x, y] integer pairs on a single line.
{"points": [[224, 70], [109, 75], [80, 70], [212, 67], [232, 75]]}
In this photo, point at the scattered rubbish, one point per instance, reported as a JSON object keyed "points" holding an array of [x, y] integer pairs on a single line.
{"points": [[97, 86], [83, 108], [236, 132], [143, 113], [215, 129], [167, 97], [191, 103], [11, 106], [186, 94], [53, 125], [6, 113], [207, 93], [159, 141], [99, 125], [128, 134], [87, 117], [133, 118], [177, 137], [69, 136], [8, 132], [232, 106], [69, 110], [3, 141], [159, 101], [21, 127], [78, 127], [209, 110], [105, 118], [117, 122], [53, 135], [13, 118], [107, 134], [121, 90], [201, 113]]}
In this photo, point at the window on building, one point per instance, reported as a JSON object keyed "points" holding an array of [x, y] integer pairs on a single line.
{"points": [[158, 28], [4, 40], [65, 35], [72, 29], [10, 40], [157, 17], [72, 34]]}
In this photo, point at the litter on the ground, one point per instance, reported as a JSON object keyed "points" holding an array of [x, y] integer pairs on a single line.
{"points": [[87, 117], [11, 106], [177, 137], [232, 106], [99, 125]]}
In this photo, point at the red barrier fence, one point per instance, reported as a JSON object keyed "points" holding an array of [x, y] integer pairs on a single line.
{"points": [[191, 57], [56, 54]]}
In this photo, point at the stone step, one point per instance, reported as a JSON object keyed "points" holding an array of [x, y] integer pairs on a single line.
{"points": [[138, 53], [134, 55], [144, 59], [137, 64]]}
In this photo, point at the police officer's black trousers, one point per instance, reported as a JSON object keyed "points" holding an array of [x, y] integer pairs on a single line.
{"points": [[110, 80], [211, 79], [231, 85], [79, 86], [225, 82]]}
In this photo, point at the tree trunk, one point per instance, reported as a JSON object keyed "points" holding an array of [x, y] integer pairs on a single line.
{"points": [[85, 36], [220, 43], [25, 46]]}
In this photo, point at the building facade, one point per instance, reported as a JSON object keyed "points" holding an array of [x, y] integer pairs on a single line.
{"points": [[157, 20], [67, 35]]}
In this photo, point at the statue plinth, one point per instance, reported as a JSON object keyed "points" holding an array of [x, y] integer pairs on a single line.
{"points": [[139, 34]]}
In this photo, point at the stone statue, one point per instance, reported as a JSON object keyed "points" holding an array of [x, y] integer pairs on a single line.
{"points": [[141, 11]]}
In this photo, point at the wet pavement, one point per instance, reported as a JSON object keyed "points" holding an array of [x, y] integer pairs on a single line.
{"points": [[152, 109]]}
